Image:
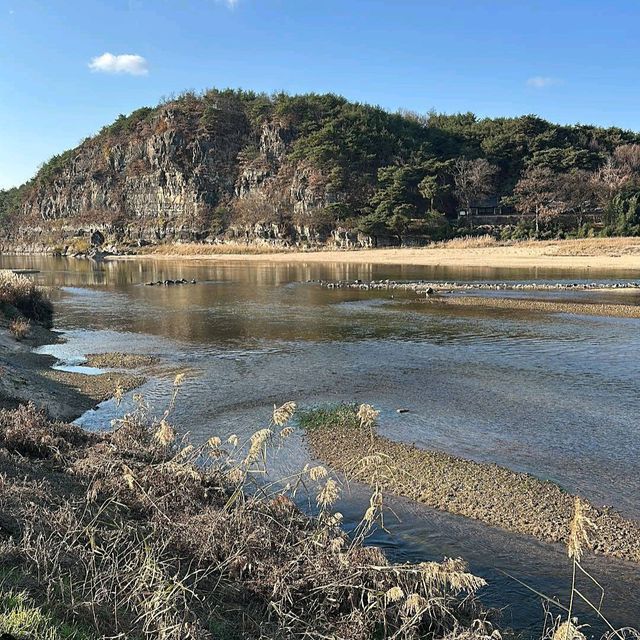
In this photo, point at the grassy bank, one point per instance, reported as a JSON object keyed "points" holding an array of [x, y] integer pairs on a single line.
{"points": [[138, 534], [26, 314]]}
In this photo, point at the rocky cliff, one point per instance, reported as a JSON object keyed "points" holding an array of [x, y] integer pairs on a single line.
{"points": [[193, 169]]}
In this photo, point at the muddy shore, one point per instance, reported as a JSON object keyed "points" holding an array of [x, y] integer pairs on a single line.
{"points": [[118, 360], [513, 501], [26, 376]]}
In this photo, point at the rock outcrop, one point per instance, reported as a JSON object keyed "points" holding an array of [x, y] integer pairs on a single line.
{"points": [[190, 170]]}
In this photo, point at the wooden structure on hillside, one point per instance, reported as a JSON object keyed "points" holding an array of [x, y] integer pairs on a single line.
{"points": [[490, 207]]}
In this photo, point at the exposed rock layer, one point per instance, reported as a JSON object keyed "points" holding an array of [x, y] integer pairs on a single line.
{"points": [[173, 176]]}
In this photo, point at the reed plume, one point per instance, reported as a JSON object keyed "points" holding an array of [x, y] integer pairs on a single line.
{"points": [[580, 530], [284, 413]]}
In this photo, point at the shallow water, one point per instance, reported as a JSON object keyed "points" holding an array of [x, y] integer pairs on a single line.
{"points": [[552, 395]]}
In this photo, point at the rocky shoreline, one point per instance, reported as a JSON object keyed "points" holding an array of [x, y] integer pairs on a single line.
{"points": [[495, 495], [424, 287], [444, 294]]}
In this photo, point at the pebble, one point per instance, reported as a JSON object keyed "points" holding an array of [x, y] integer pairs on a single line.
{"points": [[429, 288], [168, 282]]}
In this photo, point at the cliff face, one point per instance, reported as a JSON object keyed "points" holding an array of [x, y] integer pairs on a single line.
{"points": [[193, 172]]}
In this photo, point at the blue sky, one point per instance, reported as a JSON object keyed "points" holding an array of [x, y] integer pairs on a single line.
{"points": [[565, 60]]}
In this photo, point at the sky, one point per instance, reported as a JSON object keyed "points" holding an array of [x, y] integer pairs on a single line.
{"points": [[68, 67]]}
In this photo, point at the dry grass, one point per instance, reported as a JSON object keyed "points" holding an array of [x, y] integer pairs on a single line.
{"points": [[20, 293], [467, 242], [228, 248], [590, 247], [137, 533], [20, 328], [571, 247]]}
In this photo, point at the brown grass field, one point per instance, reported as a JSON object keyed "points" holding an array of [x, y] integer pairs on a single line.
{"points": [[598, 254]]}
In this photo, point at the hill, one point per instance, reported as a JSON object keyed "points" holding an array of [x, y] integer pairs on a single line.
{"points": [[235, 164]]}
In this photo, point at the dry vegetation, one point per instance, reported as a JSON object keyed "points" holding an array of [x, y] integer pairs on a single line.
{"points": [[19, 328], [228, 248], [138, 534], [569, 247], [468, 242], [591, 247], [19, 294]]}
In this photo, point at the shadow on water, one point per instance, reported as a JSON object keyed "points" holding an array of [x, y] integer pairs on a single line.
{"points": [[552, 395]]}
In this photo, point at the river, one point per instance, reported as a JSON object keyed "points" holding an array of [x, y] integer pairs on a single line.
{"points": [[556, 396]]}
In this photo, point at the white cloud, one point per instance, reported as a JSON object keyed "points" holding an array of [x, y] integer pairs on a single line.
{"points": [[231, 4], [540, 82], [125, 63]]}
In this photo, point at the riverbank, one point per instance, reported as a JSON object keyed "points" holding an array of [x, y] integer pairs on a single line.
{"points": [[27, 376], [133, 532], [65, 395], [498, 496], [541, 306], [596, 254]]}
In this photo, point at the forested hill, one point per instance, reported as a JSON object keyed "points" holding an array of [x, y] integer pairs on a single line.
{"points": [[236, 163]]}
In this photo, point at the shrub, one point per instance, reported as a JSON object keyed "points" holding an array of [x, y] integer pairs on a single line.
{"points": [[342, 415], [22, 294], [20, 328], [28, 432]]}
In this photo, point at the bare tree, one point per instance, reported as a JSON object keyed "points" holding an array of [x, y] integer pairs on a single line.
{"points": [[269, 204], [576, 193], [627, 157], [610, 179], [473, 180], [537, 192]]}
